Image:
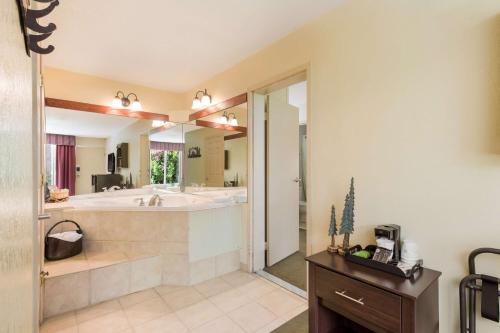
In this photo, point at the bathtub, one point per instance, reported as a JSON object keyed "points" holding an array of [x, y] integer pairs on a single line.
{"points": [[129, 200], [191, 238]]}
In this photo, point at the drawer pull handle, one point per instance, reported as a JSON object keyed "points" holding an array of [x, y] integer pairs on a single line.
{"points": [[343, 294]]}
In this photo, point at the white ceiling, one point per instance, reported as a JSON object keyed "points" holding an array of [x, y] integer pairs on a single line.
{"points": [[170, 44], [84, 124], [172, 134]]}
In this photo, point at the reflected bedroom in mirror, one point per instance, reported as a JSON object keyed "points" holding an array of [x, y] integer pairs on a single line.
{"points": [[208, 153], [89, 152]]}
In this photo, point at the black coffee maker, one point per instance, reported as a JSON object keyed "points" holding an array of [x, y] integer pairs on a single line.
{"points": [[391, 232]]}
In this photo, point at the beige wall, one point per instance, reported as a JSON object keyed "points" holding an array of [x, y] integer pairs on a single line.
{"points": [[96, 90], [404, 96], [136, 152], [91, 157], [17, 188], [237, 160], [195, 168]]}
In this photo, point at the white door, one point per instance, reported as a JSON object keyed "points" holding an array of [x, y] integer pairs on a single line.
{"points": [[282, 177]]}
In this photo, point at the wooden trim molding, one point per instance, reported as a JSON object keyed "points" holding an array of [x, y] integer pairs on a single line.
{"points": [[102, 109], [227, 104], [235, 136], [211, 124]]}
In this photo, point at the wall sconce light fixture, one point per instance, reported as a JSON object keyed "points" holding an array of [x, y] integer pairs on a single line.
{"points": [[123, 101], [228, 119], [202, 102]]}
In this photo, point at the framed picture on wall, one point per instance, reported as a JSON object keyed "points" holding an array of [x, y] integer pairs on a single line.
{"points": [[194, 152]]}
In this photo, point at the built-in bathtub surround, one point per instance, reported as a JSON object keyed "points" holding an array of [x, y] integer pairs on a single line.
{"points": [[128, 248]]}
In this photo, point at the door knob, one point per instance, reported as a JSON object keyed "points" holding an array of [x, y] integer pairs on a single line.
{"points": [[297, 180]]}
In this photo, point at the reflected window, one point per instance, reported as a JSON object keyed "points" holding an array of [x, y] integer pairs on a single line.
{"points": [[50, 164], [165, 166]]}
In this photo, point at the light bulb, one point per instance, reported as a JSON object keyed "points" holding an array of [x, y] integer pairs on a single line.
{"points": [[117, 103], [233, 122], [223, 119], [196, 103], [136, 106], [206, 100], [158, 123]]}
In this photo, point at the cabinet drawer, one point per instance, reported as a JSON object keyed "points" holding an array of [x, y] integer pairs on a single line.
{"points": [[359, 301]]}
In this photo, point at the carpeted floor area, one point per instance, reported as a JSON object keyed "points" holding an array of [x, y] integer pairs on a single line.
{"points": [[298, 324], [293, 268]]}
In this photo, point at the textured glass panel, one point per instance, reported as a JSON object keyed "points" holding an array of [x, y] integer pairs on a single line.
{"points": [[16, 185]]}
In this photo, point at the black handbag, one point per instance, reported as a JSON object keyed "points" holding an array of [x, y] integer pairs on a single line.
{"points": [[57, 249]]}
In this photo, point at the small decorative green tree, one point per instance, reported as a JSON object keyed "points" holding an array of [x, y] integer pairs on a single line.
{"points": [[347, 224], [332, 230]]}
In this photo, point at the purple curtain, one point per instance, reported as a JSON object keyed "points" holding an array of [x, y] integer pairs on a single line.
{"points": [[58, 139], [166, 146], [65, 167]]}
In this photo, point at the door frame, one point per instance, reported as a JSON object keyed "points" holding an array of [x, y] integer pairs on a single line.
{"points": [[257, 163]]}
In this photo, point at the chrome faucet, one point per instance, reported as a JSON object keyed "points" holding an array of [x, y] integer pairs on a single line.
{"points": [[155, 201], [111, 189]]}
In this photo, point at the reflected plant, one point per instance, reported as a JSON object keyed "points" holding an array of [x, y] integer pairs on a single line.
{"points": [[164, 167]]}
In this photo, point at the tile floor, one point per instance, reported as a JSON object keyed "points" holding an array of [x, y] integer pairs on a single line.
{"points": [[237, 302]]}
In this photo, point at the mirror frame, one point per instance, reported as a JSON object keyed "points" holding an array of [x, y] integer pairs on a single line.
{"points": [[224, 105], [102, 109]]}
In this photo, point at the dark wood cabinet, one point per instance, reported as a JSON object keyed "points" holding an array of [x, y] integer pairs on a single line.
{"points": [[348, 297], [122, 155]]}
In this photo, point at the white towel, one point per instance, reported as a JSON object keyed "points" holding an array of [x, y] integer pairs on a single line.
{"points": [[68, 236]]}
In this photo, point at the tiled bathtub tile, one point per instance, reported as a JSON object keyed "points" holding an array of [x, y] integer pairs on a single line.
{"points": [[175, 269], [143, 249], [66, 293], [114, 226], [144, 227], [145, 273], [227, 263], [202, 270], [174, 247], [109, 282], [92, 248], [105, 259], [174, 229], [88, 221], [67, 266]]}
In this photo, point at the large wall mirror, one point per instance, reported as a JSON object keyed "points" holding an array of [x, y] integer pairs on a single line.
{"points": [[206, 153], [88, 152]]}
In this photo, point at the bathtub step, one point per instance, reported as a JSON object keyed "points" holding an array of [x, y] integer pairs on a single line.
{"points": [[83, 280]]}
